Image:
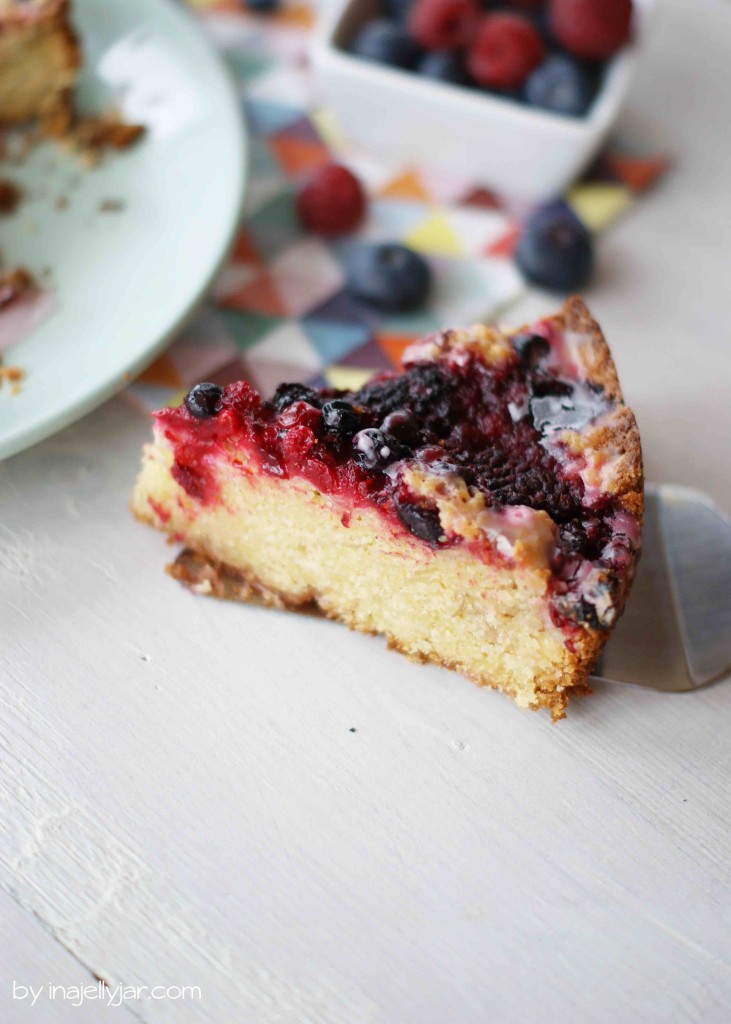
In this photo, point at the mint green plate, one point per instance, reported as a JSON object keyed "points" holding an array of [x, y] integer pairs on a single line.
{"points": [[141, 237]]}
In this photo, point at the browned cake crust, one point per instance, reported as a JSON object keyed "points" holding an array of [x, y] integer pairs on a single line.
{"points": [[619, 431]]}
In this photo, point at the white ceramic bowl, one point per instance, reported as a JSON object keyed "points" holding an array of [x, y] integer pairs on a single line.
{"points": [[516, 150]]}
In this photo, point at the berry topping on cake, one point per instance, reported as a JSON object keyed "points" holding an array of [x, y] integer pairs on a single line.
{"points": [[420, 520], [288, 394], [402, 425], [531, 348], [373, 449], [340, 418], [204, 400], [482, 507]]}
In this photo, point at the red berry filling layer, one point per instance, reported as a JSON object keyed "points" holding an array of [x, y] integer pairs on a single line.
{"points": [[491, 426]]}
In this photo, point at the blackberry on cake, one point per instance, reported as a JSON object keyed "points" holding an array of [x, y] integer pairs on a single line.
{"points": [[482, 508]]}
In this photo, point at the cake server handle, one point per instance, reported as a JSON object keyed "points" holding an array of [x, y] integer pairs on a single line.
{"points": [[676, 632]]}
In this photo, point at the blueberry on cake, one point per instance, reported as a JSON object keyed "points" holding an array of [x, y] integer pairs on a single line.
{"points": [[39, 60], [482, 508]]}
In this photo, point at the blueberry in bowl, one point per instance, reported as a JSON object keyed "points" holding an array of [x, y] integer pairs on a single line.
{"points": [[443, 66], [386, 42], [562, 85]]}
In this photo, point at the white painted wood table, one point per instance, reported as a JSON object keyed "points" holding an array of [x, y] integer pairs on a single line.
{"points": [[307, 827]]}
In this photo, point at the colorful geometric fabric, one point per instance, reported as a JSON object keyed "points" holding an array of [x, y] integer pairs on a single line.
{"points": [[280, 309]]}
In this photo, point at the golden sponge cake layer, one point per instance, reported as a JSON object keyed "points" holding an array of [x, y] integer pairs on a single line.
{"points": [[293, 546]]}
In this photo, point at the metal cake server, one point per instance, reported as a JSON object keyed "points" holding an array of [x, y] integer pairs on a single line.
{"points": [[676, 632]]}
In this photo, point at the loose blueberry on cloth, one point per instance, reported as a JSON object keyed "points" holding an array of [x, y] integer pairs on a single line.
{"points": [[555, 250], [388, 276]]}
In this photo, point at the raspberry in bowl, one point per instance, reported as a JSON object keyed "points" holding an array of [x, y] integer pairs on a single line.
{"points": [[517, 96]]}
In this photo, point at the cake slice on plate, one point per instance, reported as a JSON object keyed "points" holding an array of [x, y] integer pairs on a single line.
{"points": [[39, 60], [482, 508]]}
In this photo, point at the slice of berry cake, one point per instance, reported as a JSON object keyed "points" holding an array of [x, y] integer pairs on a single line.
{"points": [[482, 508], [39, 60]]}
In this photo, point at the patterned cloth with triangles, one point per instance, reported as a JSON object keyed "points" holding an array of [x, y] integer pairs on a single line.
{"points": [[280, 309]]}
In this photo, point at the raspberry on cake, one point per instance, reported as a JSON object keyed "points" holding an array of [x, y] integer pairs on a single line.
{"points": [[482, 508], [39, 60]]}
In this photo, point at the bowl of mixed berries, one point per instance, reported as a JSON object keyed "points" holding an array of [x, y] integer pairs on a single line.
{"points": [[517, 94]]}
